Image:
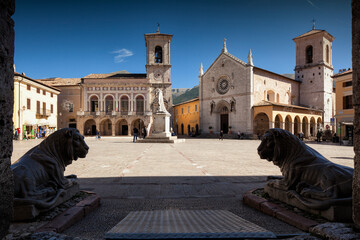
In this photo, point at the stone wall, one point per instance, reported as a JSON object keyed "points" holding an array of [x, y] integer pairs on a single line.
{"points": [[7, 8], [356, 99]]}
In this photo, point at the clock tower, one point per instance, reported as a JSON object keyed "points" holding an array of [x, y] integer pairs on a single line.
{"points": [[158, 67], [158, 57]]}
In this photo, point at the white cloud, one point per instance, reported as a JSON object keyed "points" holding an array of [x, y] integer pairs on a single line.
{"points": [[312, 4], [121, 55]]}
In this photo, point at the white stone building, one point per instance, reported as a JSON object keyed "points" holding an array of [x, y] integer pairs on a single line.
{"points": [[237, 96], [35, 106]]}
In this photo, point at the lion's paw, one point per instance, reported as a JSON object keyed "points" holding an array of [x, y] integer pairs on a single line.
{"points": [[291, 194]]}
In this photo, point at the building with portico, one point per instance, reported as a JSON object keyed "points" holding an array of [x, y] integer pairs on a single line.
{"points": [[249, 99], [116, 103]]}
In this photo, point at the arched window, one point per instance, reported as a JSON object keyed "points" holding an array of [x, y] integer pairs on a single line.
{"points": [[270, 96], [94, 104], [158, 54], [309, 54], [327, 54], [109, 104], [139, 105], [124, 105]]}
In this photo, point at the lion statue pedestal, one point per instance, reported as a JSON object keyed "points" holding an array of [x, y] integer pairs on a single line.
{"points": [[40, 184], [310, 182]]}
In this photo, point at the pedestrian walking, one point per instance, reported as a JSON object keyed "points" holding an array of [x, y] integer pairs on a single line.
{"points": [[136, 132], [318, 136], [145, 132], [221, 135], [16, 134]]}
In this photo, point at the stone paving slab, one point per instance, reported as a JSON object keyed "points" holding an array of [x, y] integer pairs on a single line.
{"points": [[165, 224], [199, 174]]}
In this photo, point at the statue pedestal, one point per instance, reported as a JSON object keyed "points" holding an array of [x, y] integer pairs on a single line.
{"points": [[341, 213], [161, 130], [27, 212], [161, 124]]}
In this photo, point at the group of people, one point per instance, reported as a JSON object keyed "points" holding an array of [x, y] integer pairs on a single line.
{"points": [[136, 133], [41, 133], [239, 135], [98, 135]]}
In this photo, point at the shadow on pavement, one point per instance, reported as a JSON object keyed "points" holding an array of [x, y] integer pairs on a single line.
{"points": [[120, 195]]}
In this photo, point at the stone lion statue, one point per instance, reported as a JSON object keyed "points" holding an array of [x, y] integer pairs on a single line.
{"points": [[307, 175], [39, 174]]}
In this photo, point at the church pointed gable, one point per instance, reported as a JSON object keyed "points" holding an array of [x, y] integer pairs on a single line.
{"points": [[228, 56]]}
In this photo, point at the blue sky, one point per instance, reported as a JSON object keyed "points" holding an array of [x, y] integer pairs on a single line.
{"points": [[73, 38]]}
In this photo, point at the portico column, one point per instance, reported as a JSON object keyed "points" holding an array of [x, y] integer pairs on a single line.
{"points": [[97, 122], [271, 124], [292, 127], [282, 125], [308, 130], [113, 128], [300, 127], [129, 129], [132, 102]]}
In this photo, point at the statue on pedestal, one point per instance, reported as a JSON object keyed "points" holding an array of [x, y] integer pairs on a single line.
{"points": [[308, 177], [160, 98], [39, 174]]}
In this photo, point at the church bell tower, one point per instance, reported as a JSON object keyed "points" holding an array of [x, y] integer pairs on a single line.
{"points": [[158, 66], [314, 70]]}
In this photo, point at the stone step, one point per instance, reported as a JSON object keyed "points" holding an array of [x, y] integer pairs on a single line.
{"points": [[166, 224]]}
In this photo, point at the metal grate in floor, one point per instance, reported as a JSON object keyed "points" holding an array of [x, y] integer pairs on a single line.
{"points": [[163, 224]]}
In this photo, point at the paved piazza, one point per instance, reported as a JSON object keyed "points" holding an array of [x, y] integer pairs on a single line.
{"points": [[198, 174]]}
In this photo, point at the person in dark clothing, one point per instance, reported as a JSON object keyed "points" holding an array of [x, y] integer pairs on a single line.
{"points": [[145, 132], [136, 132], [318, 136], [221, 135]]}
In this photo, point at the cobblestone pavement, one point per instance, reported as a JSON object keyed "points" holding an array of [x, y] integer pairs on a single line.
{"points": [[197, 174]]}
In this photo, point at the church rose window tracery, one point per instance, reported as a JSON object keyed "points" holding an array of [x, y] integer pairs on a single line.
{"points": [[223, 86]]}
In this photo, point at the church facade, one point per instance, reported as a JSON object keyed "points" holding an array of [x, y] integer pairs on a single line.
{"points": [[116, 103], [238, 96]]}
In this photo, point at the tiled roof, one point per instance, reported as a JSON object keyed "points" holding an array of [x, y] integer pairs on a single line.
{"points": [[311, 32], [268, 103], [105, 75], [281, 75], [37, 81], [61, 81], [119, 74], [188, 101], [342, 73], [129, 75]]}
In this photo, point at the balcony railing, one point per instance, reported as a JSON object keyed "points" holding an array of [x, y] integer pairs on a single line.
{"points": [[117, 114], [41, 113]]}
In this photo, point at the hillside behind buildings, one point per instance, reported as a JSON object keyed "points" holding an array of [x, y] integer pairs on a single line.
{"points": [[187, 95]]}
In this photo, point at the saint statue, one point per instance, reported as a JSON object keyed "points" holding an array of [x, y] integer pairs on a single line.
{"points": [[160, 96]]}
